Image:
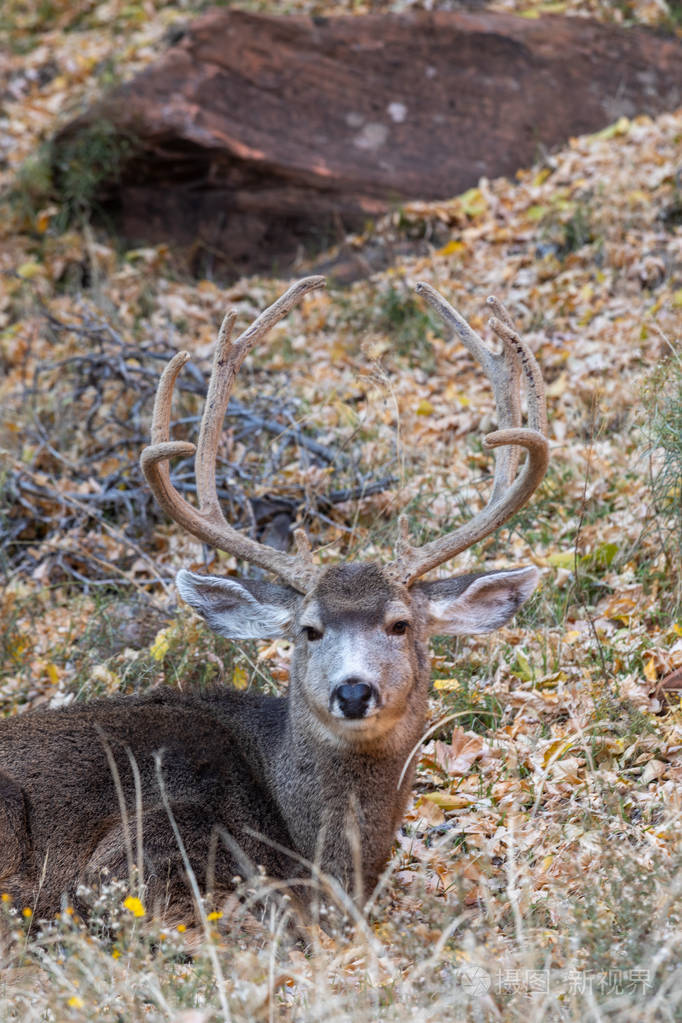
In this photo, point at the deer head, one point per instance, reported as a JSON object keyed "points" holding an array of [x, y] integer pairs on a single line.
{"points": [[360, 629]]}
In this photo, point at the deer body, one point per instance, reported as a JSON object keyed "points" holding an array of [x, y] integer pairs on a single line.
{"points": [[70, 824], [316, 781], [247, 778]]}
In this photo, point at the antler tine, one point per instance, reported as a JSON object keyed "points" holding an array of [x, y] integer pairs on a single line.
{"points": [[503, 326], [220, 386], [503, 372], [207, 522], [508, 494], [154, 458]]}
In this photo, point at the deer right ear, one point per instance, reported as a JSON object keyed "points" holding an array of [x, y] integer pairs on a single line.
{"points": [[244, 609]]}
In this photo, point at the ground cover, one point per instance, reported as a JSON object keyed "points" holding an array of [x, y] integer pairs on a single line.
{"points": [[538, 872]]}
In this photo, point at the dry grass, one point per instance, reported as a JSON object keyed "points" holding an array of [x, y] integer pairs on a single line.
{"points": [[537, 876]]}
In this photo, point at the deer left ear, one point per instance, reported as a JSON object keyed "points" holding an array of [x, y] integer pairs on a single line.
{"points": [[480, 602]]}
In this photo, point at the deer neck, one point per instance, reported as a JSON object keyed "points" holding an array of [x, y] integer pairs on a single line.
{"points": [[342, 801]]}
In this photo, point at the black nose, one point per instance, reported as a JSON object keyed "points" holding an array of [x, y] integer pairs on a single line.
{"points": [[353, 698]]}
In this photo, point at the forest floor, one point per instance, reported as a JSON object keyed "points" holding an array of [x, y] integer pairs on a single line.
{"points": [[538, 873]]}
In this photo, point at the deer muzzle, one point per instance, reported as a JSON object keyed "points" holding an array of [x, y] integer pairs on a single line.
{"points": [[354, 699]]}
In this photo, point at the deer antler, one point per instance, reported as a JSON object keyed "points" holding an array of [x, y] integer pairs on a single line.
{"points": [[510, 492], [207, 522]]}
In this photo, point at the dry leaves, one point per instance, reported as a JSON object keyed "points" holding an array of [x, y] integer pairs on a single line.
{"points": [[567, 742]]}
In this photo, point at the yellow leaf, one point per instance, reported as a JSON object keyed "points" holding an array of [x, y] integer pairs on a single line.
{"points": [[650, 672], [677, 629], [134, 906], [638, 195], [541, 176], [446, 685], [424, 408], [677, 299], [562, 559], [452, 392], [547, 862], [30, 270], [619, 608], [159, 647], [450, 248], [473, 202], [240, 678], [536, 212], [550, 681], [556, 749], [447, 800], [522, 667], [52, 673], [601, 556], [620, 127], [16, 645]]}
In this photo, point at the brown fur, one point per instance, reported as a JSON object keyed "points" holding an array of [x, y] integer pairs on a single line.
{"points": [[247, 777]]}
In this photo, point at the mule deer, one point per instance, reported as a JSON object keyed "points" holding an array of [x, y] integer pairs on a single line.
{"points": [[249, 780]]}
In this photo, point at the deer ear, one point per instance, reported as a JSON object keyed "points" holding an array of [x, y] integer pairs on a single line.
{"points": [[244, 609], [480, 602]]}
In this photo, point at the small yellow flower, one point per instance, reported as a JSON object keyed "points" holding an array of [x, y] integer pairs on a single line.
{"points": [[27, 912], [5, 897], [134, 906], [215, 915], [116, 954], [75, 1002], [182, 928]]}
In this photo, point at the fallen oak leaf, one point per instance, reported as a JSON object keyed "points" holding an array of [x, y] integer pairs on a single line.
{"points": [[447, 800], [654, 770], [457, 756]]}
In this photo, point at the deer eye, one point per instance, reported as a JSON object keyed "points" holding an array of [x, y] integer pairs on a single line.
{"points": [[398, 628], [311, 633]]}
